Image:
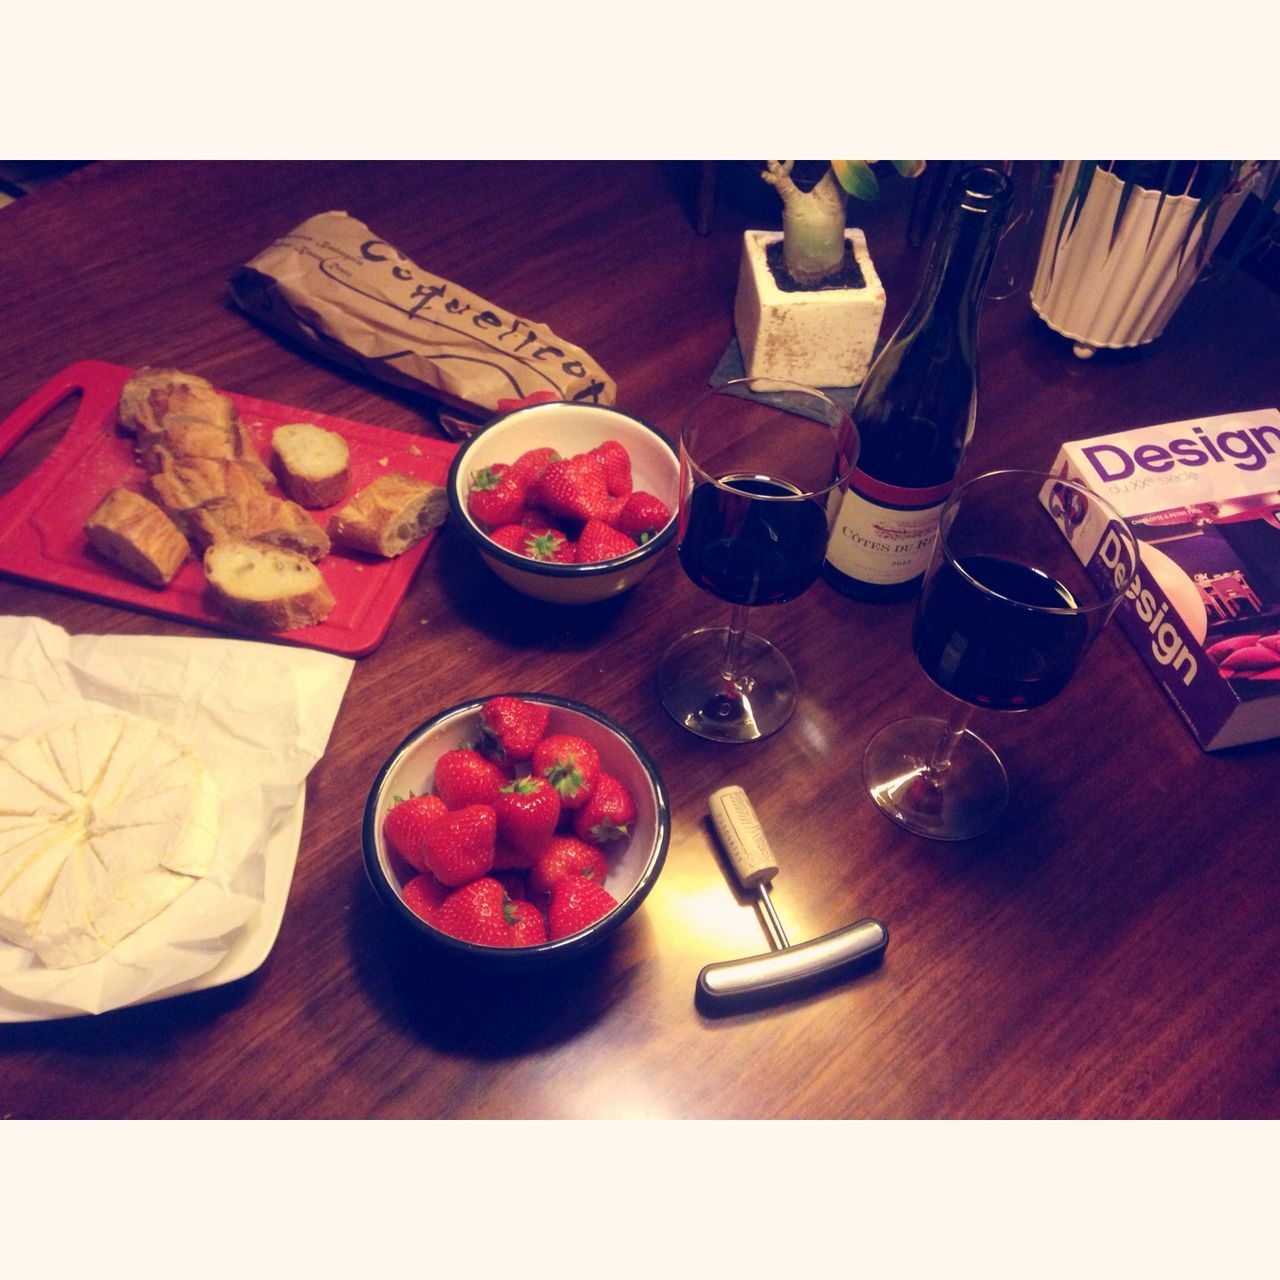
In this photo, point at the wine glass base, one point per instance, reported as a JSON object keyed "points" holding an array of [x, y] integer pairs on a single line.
{"points": [[695, 692], [965, 802]]}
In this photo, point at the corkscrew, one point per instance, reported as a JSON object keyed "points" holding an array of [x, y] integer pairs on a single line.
{"points": [[789, 968]]}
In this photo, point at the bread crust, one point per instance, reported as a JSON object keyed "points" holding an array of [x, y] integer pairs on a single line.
{"points": [[389, 515], [133, 532], [266, 588]]}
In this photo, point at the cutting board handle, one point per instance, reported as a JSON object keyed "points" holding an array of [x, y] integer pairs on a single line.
{"points": [[97, 383]]}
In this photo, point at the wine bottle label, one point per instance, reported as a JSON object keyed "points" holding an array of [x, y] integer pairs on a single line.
{"points": [[885, 544]]}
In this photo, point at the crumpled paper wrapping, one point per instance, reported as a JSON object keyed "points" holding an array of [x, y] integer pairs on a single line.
{"points": [[335, 286], [258, 714]]}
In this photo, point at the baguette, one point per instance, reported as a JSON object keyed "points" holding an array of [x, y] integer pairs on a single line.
{"points": [[183, 486], [184, 439], [154, 399], [152, 393], [138, 536], [389, 515], [264, 518], [313, 465], [267, 588]]}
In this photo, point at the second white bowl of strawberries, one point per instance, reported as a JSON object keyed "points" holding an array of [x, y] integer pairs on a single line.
{"points": [[569, 503], [516, 828]]}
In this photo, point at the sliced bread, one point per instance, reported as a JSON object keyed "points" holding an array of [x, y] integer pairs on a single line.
{"points": [[152, 393], [267, 588], [389, 515], [138, 536], [254, 515], [312, 464]]}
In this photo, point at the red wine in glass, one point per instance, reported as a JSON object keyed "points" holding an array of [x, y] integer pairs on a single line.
{"points": [[985, 632], [744, 545], [1010, 603], [763, 465]]}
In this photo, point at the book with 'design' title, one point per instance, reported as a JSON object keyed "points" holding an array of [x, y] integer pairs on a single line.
{"points": [[1203, 498]]}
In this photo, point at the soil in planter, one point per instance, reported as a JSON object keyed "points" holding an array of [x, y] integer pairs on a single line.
{"points": [[848, 277]]}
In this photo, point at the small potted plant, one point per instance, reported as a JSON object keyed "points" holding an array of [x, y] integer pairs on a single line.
{"points": [[1126, 239], [809, 302]]}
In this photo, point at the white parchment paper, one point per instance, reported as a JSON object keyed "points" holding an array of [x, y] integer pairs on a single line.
{"points": [[259, 715]]}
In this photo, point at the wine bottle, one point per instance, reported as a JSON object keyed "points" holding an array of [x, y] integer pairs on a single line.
{"points": [[915, 411]]}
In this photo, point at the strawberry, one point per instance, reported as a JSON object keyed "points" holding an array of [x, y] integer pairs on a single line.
{"points": [[464, 776], [405, 824], [424, 895], [567, 856], [510, 536], [512, 727], [484, 913], [613, 509], [476, 913], [528, 927], [459, 845], [608, 814], [575, 903], [527, 809], [616, 461], [537, 540], [571, 764], [598, 541], [575, 487], [530, 465], [507, 403], [495, 497], [642, 516]]}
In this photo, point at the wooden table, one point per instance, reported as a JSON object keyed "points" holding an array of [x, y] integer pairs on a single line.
{"points": [[1111, 950]]}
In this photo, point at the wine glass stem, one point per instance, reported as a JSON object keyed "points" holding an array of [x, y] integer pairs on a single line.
{"points": [[731, 663], [956, 724]]}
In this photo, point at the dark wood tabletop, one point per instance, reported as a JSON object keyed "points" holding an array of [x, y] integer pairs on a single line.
{"points": [[1110, 950]]}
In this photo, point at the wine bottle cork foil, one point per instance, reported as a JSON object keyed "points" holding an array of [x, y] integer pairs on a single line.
{"points": [[338, 288]]}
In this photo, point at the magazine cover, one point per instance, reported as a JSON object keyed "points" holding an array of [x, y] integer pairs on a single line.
{"points": [[1203, 498]]}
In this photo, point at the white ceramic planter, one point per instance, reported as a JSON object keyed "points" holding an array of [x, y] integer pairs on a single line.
{"points": [[1121, 295], [819, 337]]}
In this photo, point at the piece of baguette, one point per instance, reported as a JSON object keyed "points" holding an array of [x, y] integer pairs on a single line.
{"points": [[267, 588], [153, 399], [312, 464], [152, 393], [184, 438], [389, 515], [258, 516], [138, 536], [183, 486]]}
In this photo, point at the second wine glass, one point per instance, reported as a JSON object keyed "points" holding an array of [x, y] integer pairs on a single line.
{"points": [[763, 465], [1027, 568]]}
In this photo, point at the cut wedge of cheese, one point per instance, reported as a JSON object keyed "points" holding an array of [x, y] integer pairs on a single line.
{"points": [[104, 821]]}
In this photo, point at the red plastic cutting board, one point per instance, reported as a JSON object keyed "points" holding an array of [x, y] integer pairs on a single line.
{"points": [[42, 519]]}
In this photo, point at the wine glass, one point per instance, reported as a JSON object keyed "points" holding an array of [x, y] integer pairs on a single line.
{"points": [[1007, 610], [763, 466]]}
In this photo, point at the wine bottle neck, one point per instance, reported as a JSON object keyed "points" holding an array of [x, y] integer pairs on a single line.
{"points": [[960, 263]]}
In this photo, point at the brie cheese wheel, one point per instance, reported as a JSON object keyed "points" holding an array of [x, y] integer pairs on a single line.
{"points": [[104, 821]]}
